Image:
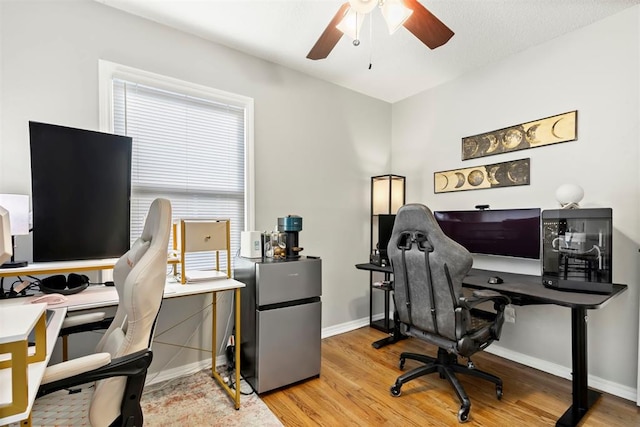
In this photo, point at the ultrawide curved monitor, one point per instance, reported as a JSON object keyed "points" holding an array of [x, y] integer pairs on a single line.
{"points": [[504, 232]]}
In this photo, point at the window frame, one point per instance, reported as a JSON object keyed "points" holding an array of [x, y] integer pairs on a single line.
{"points": [[107, 71]]}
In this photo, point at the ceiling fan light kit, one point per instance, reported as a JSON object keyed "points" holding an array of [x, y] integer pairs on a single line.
{"points": [[408, 13], [351, 24], [395, 13], [363, 6]]}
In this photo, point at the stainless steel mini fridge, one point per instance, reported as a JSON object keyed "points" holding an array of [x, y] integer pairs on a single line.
{"points": [[281, 320]]}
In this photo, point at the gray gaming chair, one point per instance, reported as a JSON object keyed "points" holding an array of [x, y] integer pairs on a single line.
{"points": [[428, 269]]}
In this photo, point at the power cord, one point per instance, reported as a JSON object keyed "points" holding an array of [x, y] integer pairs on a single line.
{"points": [[243, 383], [19, 288]]}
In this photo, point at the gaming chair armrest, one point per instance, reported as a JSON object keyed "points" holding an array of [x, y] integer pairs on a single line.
{"points": [[82, 319], [483, 295], [84, 323], [74, 367], [130, 365]]}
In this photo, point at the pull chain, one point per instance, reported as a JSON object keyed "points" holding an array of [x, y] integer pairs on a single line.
{"points": [[370, 41]]}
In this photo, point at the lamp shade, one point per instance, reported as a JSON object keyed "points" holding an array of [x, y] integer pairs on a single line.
{"points": [[569, 195], [351, 23], [387, 194], [395, 13], [363, 6], [18, 207]]}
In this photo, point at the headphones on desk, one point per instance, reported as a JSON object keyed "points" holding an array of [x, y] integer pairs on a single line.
{"points": [[58, 284]]}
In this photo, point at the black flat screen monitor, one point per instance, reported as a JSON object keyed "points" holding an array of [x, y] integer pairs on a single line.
{"points": [[81, 188], [504, 232], [385, 228]]}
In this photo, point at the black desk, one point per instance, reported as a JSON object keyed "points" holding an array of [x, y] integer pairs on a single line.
{"points": [[528, 290], [385, 324]]}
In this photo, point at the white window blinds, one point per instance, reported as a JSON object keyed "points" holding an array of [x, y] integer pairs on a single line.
{"points": [[188, 149]]}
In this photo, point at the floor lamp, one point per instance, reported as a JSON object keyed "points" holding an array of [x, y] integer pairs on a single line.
{"points": [[387, 196]]}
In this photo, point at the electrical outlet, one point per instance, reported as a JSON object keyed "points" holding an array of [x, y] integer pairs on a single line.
{"points": [[510, 314]]}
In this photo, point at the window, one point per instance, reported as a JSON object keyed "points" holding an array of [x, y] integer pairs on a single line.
{"points": [[191, 144]]}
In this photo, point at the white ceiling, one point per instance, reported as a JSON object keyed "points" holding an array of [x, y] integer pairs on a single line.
{"points": [[284, 31]]}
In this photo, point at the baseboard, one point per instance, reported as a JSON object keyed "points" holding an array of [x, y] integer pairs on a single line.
{"points": [[597, 383], [344, 327], [613, 388], [180, 371], [625, 392], [192, 368], [348, 326]]}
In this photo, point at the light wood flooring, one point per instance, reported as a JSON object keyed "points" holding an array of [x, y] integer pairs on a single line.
{"points": [[353, 390]]}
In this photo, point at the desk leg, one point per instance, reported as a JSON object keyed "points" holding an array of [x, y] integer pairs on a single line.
{"points": [[370, 299], [394, 337], [387, 326], [238, 340], [26, 422], [235, 392], [583, 398], [214, 331]]}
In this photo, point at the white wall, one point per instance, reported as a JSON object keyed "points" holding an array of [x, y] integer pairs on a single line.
{"points": [[316, 144], [595, 71]]}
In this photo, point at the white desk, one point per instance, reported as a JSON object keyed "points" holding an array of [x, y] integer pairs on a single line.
{"points": [[8, 327], [59, 267], [98, 296]]}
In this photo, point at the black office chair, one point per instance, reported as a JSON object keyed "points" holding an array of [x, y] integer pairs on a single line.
{"points": [[428, 270]]}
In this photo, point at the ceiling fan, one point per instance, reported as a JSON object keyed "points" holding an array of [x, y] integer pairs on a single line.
{"points": [[407, 13]]}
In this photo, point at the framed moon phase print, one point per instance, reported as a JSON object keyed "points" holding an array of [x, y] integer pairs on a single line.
{"points": [[506, 174], [550, 130]]}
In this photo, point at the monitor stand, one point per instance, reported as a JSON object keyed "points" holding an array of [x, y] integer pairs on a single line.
{"points": [[14, 264]]}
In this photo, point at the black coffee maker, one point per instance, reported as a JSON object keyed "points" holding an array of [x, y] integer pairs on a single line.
{"points": [[291, 225]]}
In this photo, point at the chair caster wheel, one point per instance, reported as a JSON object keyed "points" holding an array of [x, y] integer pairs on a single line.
{"points": [[401, 363], [395, 390], [463, 415], [499, 392]]}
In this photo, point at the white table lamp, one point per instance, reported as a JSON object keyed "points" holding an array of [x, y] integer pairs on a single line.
{"points": [[569, 195]]}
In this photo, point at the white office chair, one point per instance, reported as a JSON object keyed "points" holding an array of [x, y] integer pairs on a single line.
{"points": [[123, 355]]}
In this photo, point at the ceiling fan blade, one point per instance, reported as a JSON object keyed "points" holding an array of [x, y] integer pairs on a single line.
{"points": [[425, 26], [329, 37]]}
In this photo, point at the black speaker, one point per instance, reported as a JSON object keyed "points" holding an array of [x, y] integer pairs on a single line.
{"points": [[59, 284]]}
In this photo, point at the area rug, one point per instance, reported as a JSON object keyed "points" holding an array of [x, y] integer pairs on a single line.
{"points": [[195, 401]]}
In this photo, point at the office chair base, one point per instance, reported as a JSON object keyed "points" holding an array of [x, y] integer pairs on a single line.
{"points": [[447, 366]]}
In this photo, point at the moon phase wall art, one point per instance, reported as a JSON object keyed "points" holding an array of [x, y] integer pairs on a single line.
{"points": [[506, 174], [550, 130]]}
